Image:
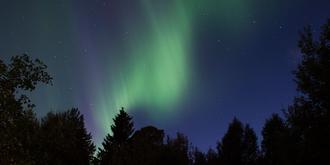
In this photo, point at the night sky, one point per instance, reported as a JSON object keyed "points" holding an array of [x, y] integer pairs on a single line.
{"points": [[180, 65]]}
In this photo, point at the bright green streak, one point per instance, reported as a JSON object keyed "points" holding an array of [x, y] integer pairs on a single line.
{"points": [[159, 66], [158, 71]]}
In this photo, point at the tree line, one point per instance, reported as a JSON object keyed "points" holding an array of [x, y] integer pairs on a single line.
{"points": [[300, 136]]}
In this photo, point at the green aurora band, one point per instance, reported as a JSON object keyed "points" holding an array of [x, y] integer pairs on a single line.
{"points": [[158, 70]]}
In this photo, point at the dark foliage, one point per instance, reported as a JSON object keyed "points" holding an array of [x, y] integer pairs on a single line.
{"points": [[64, 139], [309, 117], [176, 150], [250, 147], [230, 148], [146, 146], [275, 145], [143, 147], [116, 145], [212, 157], [18, 125], [22, 139], [198, 157], [239, 145]]}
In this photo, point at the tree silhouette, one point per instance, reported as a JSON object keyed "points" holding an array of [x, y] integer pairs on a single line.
{"points": [[146, 146], [212, 157], [199, 157], [239, 145], [18, 125], [231, 146], [65, 140], [115, 146], [175, 150], [274, 141], [250, 147], [309, 116], [312, 75]]}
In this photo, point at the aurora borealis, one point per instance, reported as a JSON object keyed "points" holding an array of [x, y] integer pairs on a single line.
{"points": [[178, 64], [158, 59], [158, 63]]}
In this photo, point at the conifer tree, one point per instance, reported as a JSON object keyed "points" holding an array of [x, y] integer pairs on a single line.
{"points": [[116, 145]]}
